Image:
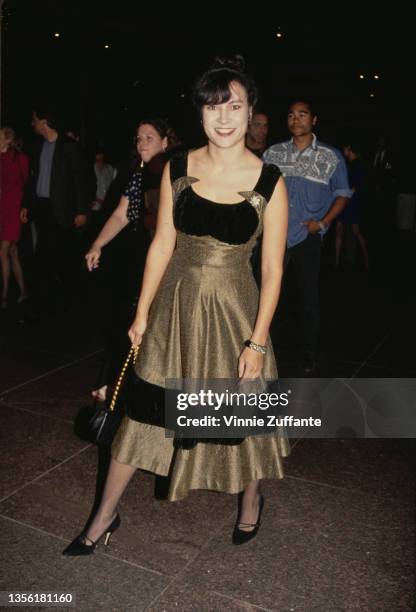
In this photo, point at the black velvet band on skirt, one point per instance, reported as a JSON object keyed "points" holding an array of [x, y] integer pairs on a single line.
{"points": [[145, 402]]}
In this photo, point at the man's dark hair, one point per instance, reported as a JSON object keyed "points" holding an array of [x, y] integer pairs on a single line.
{"points": [[49, 114], [354, 145], [308, 103], [261, 111]]}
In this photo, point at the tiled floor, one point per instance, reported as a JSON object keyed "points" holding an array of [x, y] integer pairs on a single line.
{"points": [[337, 533]]}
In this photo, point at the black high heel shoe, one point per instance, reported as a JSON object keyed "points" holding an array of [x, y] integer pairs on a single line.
{"points": [[239, 535], [78, 546]]}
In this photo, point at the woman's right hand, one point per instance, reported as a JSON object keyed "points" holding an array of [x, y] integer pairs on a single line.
{"points": [[93, 258], [137, 330]]}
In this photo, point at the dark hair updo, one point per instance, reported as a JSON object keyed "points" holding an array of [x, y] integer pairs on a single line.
{"points": [[213, 87]]}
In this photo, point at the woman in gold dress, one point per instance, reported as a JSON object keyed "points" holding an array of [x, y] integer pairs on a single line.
{"points": [[199, 304]]}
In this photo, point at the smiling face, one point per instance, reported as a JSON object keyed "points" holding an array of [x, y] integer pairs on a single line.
{"points": [[300, 119], [149, 142], [225, 124]]}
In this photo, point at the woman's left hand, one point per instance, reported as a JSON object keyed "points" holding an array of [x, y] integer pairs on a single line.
{"points": [[250, 364]]}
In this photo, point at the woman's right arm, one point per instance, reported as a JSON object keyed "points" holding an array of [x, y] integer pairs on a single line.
{"points": [[114, 225], [158, 257]]}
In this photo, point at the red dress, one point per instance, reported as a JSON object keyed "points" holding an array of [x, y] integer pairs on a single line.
{"points": [[14, 170]]}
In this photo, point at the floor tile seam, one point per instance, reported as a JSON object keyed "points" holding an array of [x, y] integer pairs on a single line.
{"points": [[389, 368], [373, 352], [31, 349], [343, 361], [66, 540], [338, 488], [378, 366], [181, 573], [73, 399], [32, 527], [27, 411], [49, 373], [133, 564], [240, 601], [40, 476]]}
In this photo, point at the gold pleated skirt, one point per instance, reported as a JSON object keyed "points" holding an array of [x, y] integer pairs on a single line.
{"points": [[204, 309], [216, 467]]}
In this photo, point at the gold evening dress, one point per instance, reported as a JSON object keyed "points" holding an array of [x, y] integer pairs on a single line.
{"points": [[204, 310]]}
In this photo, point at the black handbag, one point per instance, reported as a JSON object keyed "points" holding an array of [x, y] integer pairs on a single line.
{"points": [[105, 421]]}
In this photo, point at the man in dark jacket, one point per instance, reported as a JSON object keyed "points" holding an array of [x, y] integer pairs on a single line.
{"points": [[56, 199]]}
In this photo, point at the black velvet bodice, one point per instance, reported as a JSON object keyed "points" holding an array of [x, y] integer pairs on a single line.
{"points": [[229, 223]]}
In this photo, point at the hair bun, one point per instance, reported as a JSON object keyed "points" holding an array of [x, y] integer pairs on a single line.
{"points": [[236, 63]]}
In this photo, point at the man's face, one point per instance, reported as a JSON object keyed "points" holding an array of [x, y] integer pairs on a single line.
{"points": [[259, 128], [38, 125], [300, 120], [347, 151], [173, 139]]}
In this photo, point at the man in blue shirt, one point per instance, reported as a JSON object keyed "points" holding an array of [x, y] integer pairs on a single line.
{"points": [[317, 183]]}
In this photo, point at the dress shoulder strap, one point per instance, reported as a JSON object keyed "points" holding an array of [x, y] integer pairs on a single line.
{"points": [[178, 165], [267, 182]]}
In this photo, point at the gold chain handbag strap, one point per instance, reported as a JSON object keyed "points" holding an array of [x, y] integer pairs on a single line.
{"points": [[132, 355]]}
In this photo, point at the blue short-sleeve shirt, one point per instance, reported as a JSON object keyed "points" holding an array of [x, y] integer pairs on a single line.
{"points": [[314, 177]]}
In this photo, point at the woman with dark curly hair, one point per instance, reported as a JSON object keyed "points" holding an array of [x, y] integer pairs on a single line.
{"points": [[200, 315], [151, 141], [141, 193]]}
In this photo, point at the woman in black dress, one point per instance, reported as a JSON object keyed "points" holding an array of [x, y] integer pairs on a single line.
{"points": [[142, 191]]}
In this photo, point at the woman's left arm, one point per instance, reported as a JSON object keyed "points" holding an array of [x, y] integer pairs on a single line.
{"points": [[275, 222]]}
